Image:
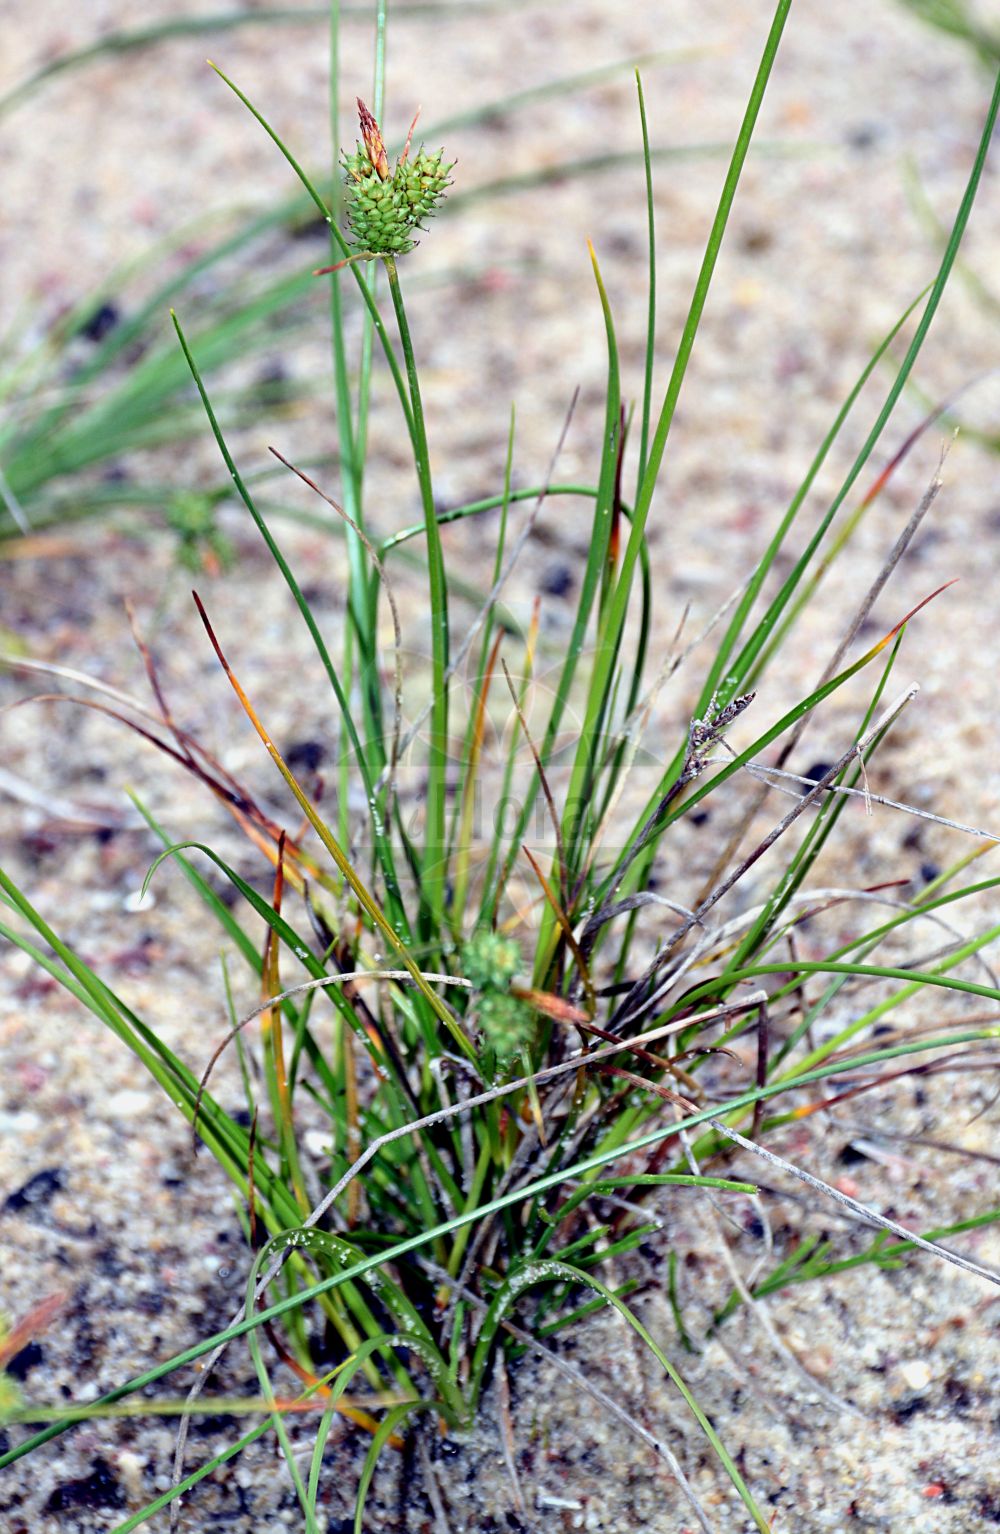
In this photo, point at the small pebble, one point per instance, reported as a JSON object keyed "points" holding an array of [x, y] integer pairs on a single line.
{"points": [[916, 1373], [128, 1104], [130, 1469]]}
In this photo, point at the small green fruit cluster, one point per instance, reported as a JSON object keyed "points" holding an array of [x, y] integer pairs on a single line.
{"points": [[384, 213], [201, 545], [491, 961], [506, 1022]]}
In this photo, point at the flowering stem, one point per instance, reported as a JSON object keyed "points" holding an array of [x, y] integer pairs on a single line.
{"points": [[433, 882]]}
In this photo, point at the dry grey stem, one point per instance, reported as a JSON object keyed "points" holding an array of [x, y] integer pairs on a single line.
{"points": [[871, 1216], [636, 1001]]}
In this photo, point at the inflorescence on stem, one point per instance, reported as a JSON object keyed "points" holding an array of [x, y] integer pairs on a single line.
{"points": [[385, 206]]}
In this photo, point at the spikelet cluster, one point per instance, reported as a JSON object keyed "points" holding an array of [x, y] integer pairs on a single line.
{"points": [[490, 961], [385, 207]]}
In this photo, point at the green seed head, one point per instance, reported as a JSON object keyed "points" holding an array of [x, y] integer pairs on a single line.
{"points": [[491, 961], [506, 1022], [384, 209]]}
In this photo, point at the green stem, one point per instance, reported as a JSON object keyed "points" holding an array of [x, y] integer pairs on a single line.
{"points": [[371, 267], [434, 843], [351, 426], [647, 388], [615, 618]]}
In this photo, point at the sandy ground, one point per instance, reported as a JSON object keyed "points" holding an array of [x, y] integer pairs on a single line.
{"points": [[104, 1202]]}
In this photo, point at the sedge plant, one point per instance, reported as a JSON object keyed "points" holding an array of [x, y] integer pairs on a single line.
{"points": [[520, 1069]]}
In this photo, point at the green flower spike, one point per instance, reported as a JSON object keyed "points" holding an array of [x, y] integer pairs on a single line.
{"points": [[506, 1022], [383, 207], [491, 961]]}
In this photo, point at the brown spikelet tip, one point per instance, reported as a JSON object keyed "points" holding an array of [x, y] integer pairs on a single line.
{"points": [[372, 136]]}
